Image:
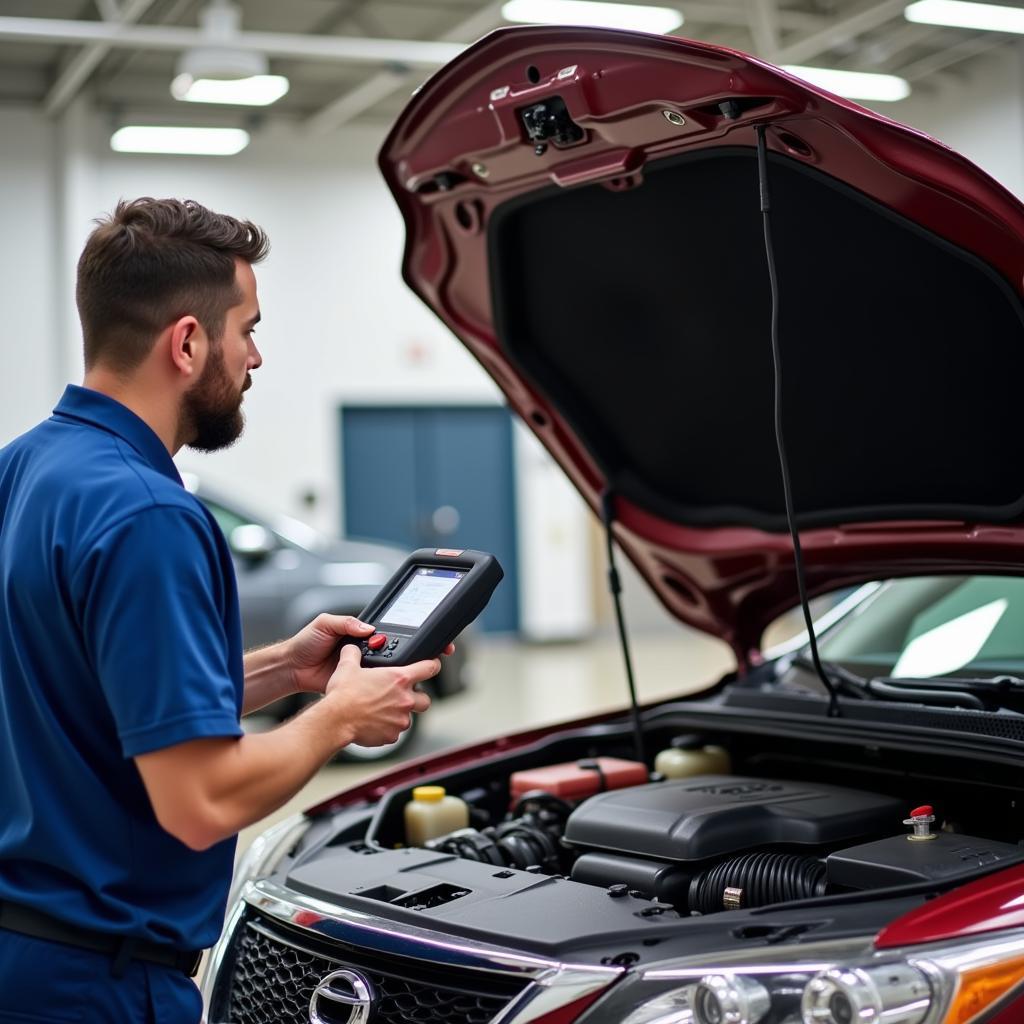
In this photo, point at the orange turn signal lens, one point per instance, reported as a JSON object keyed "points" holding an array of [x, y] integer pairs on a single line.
{"points": [[980, 987]]}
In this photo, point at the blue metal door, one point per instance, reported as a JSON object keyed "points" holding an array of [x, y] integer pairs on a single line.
{"points": [[435, 477]]}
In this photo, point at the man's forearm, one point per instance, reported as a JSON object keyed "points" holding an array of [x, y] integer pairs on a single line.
{"points": [[209, 789], [206, 789], [264, 770], [268, 676]]}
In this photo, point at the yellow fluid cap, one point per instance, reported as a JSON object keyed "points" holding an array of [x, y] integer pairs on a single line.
{"points": [[428, 794]]}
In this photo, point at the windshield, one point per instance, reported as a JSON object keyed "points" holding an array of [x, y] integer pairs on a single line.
{"points": [[932, 627]]}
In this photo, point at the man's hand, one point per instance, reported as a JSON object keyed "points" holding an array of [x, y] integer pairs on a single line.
{"points": [[378, 703], [313, 651]]}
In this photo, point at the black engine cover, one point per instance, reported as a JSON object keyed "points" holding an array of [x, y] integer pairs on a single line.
{"points": [[719, 815]]}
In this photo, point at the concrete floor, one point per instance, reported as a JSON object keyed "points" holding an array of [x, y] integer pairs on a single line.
{"points": [[517, 686]]}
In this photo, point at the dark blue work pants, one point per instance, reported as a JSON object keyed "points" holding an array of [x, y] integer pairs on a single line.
{"points": [[49, 983]]}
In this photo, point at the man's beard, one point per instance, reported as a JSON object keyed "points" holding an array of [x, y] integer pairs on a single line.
{"points": [[213, 408]]}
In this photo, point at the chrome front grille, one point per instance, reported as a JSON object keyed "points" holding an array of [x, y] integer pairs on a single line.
{"points": [[274, 971]]}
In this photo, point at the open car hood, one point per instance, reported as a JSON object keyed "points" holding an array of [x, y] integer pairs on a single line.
{"points": [[612, 280]]}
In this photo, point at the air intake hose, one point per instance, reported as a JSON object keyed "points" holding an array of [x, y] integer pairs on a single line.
{"points": [[529, 840], [755, 880]]}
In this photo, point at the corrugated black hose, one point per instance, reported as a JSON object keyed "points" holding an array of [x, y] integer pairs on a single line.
{"points": [[756, 880]]}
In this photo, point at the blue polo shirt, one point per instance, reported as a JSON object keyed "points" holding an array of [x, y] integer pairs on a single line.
{"points": [[119, 635]]}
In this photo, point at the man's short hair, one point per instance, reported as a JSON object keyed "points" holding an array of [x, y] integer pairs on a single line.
{"points": [[151, 262]]}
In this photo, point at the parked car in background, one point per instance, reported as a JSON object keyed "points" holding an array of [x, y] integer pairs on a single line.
{"points": [[619, 226], [288, 573]]}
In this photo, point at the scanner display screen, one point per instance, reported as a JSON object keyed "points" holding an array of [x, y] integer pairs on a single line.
{"points": [[425, 589]]}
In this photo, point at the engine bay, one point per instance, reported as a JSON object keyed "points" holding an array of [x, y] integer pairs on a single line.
{"points": [[712, 843], [551, 853]]}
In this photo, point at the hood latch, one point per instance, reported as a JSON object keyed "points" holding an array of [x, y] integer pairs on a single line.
{"points": [[550, 122]]}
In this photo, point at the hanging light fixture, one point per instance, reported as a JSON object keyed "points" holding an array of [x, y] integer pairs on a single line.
{"points": [[220, 73]]}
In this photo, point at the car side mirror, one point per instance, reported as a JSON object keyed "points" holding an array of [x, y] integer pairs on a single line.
{"points": [[252, 542]]}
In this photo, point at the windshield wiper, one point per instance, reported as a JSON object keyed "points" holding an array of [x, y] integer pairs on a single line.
{"points": [[1003, 691], [981, 694]]}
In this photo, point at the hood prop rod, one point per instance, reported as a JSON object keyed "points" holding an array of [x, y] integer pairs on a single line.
{"points": [[615, 588], [798, 558]]}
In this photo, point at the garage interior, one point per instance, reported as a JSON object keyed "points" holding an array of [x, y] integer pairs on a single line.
{"points": [[347, 346]]}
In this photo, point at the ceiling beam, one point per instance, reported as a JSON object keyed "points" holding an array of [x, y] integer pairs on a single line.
{"points": [[110, 10], [800, 51], [412, 52], [82, 65], [764, 27], [357, 101], [950, 55], [886, 53], [381, 85]]}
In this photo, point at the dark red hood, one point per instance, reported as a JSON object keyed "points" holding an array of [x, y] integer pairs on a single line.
{"points": [[616, 289]]}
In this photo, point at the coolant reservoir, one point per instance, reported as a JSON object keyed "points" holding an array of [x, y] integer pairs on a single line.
{"points": [[432, 813], [687, 756]]}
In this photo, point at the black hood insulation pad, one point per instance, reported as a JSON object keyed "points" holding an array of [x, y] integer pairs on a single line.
{"points": [[644, 316]]}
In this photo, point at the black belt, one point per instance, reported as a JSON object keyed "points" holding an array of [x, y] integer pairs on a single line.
{"points": [[26, 921]]}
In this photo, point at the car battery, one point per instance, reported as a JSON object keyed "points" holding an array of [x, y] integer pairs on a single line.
{"points": [[576, 780]]}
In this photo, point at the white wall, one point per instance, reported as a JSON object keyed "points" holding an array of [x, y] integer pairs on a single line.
{"points": [[28, 227]]}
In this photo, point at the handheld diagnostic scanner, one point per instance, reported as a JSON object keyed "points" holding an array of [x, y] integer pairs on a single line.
{"points": [[431, 598]]}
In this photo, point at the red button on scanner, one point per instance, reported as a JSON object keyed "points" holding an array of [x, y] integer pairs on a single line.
{"points": [[377, 641]]}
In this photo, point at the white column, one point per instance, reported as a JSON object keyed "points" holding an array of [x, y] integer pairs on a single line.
{"points": [[28, 354], [80, 133], [555, 594]]}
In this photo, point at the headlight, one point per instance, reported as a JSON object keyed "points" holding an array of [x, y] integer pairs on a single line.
{"points": [[895, 993], [730, 999], [836, 983]]}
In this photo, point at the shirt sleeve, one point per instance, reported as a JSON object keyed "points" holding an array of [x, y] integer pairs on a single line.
{"points": [[151, 598]]}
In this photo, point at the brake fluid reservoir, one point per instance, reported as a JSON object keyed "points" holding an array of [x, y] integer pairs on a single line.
{"points": [[688, 756], [432, 813]]}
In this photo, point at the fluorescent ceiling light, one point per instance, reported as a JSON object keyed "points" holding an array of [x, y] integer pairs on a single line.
{"points": [[959, 14], [254, 91], [858, 85], [589, 12], [138, 138]]}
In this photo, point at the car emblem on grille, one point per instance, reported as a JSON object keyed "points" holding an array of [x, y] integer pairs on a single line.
{"points": [[339, 993]]}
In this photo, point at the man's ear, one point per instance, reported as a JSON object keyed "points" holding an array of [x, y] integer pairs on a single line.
{"points": [[188, 346]]}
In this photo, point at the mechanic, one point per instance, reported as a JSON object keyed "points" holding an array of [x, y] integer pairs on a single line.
{"points": [[126, 775]]}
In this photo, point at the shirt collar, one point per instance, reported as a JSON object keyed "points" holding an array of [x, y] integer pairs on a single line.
{"points": [[108, 414]]}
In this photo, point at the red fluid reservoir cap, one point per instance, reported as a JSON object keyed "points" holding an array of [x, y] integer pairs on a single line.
{"points": [[377, 641], [924, 811]]}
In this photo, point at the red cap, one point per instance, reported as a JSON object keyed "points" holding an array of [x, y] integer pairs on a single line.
{"points": [[924, 811]]}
